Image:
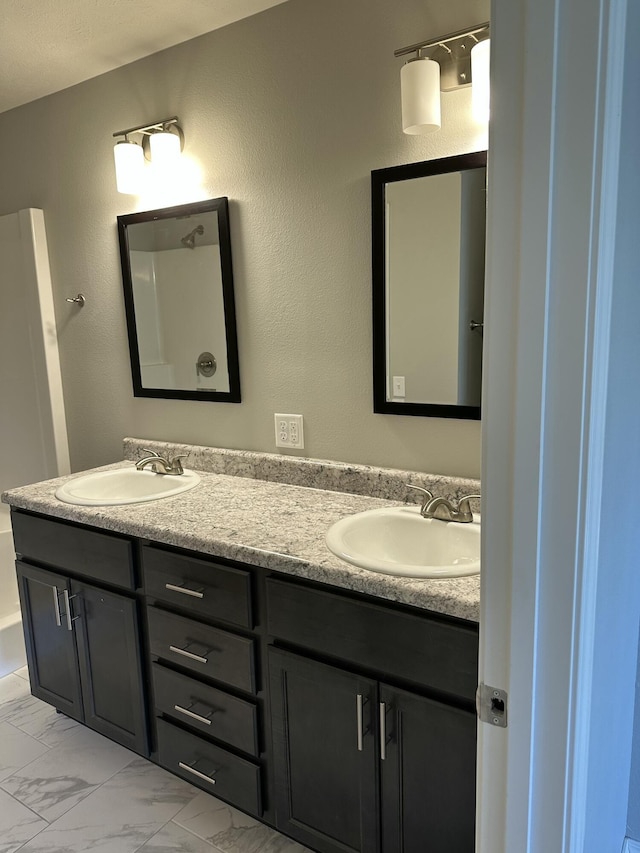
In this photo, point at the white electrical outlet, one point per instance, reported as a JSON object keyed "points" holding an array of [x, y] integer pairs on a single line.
{"points": [[289, 431]]}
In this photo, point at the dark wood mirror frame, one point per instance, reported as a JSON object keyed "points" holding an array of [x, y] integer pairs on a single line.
{"points": [[221, 207], [379, 180]]}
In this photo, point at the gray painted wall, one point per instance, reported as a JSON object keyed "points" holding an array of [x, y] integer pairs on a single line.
{"points": [[286, 113]]}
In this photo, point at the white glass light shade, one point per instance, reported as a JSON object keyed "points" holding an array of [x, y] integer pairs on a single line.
{"points": [[420, 89], [480, 80], [129, 160], [165, 149]]}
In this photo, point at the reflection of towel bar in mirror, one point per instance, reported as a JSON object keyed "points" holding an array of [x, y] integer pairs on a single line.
{"points": [[428, 236]]}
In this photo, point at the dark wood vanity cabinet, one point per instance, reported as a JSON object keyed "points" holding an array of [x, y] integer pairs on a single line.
{"points": [[82, 640], [51, 649], [208, 702], [427, 775], [109, 654], [362, 764], [345, 721], [325, 754]]}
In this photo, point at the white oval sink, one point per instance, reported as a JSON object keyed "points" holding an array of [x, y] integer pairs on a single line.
{"points": [[124, 486], [399, 541]]}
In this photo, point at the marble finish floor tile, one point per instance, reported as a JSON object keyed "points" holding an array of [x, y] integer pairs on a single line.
{"points": [[100, 797], [42, 722], [17, 824], [174, 839], [23, 672], [66, 774], [13, 691], [230, 830], [118, 839], [121, 815], [36, 718], [17, 749]]}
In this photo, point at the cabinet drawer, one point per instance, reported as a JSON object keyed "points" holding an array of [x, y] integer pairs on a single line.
{"points": [[99, 556], [204, 650], [206, 709], [203, 586], [428, 650], [207, 766]]}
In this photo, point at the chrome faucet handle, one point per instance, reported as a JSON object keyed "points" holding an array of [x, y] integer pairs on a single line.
{"points": [[157, 463], [428, 496], [464, 510], [151, 452], [175, 465]]}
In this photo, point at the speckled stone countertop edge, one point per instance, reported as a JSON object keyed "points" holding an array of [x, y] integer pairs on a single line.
{"points": [[275, 526], [328, 475]]}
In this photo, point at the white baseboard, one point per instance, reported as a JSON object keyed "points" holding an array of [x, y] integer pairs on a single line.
{"points": [[631, 846]]}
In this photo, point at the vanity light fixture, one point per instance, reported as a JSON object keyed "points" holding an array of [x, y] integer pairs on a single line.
{"points": [[480, 76], [455, 60], [420, 91], [129, 159], [160, 142]]}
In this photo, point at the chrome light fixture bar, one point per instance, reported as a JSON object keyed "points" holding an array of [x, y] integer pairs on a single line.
{"points": [[447, 66], [452, 53], [161, 142]]}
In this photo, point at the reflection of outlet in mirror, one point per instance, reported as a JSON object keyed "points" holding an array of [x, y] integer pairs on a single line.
{"points": [[289, 431], [398, 386]]}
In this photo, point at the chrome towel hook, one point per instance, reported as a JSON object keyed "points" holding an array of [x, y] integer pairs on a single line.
{"points": [[78, 300]]}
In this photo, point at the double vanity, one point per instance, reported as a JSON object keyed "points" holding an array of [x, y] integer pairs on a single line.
{"points": [[214, 632]]}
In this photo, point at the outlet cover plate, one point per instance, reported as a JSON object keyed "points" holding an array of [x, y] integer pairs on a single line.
{"points": [[289, 431]]}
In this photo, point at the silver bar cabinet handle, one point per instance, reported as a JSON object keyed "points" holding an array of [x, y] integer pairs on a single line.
{"points": [[56, 605], [195, 772], [383, 731], [183, 589], [187, 654], [191, 714], [359, 720], [67, 604]]}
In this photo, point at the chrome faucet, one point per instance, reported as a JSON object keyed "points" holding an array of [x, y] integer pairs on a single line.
{"points": [[444, 509], [159, 464]]}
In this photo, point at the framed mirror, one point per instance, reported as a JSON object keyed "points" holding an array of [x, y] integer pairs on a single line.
{"points": [[178, 294], [429, 223]]}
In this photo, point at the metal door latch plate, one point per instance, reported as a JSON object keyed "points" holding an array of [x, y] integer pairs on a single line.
{"points": [[491, 705]]}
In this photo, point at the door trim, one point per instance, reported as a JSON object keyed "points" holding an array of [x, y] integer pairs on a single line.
{"points": [[547, 433]]}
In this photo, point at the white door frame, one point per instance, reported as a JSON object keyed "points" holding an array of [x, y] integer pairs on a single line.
{"points": [[560, 584]]}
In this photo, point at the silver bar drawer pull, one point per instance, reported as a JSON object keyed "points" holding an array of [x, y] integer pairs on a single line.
{"points": [[187, 654], [67, 604], [191, 714], [194, 593], [195, 772], [359, 721], [383, 731], [56, 605]]}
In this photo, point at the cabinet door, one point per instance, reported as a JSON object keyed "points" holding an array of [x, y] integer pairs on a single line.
{"points": [[50, 642], [110, 665], [324, 748], [428, 775]]}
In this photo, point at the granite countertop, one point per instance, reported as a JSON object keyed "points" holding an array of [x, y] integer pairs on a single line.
{"points": [[272, 525]]}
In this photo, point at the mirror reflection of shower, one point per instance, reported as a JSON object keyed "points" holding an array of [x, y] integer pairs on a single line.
{"points": [[189, 240]]}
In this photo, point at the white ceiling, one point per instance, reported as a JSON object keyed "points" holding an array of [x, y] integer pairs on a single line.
{"points": [[48, 45]]}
